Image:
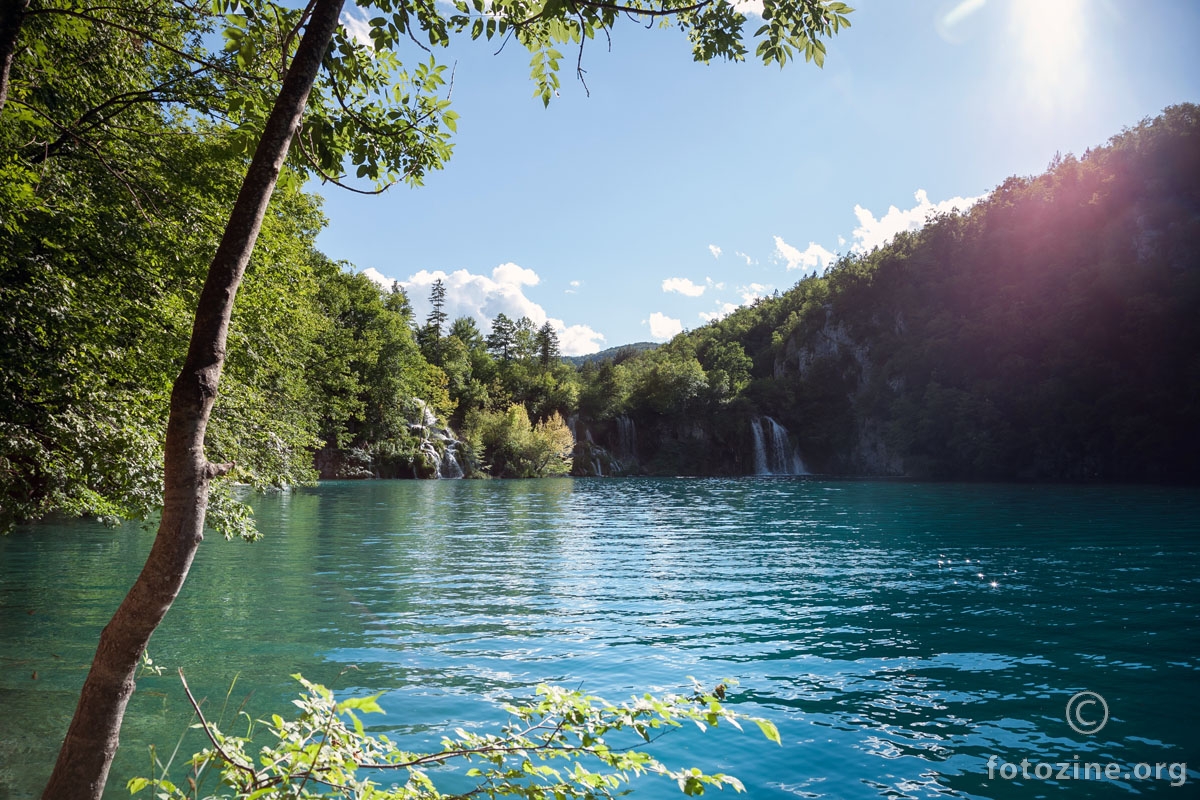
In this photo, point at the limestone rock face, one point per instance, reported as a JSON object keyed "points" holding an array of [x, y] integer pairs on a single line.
{"points": [[835, 346]]}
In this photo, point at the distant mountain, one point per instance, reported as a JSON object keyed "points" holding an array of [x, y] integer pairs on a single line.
{"points": [[619, 353]]}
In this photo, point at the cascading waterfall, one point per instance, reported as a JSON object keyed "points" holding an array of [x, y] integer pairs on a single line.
{"points": [[444, 459], [626, 440], [773, 451], [449, 467], [586, 455]]}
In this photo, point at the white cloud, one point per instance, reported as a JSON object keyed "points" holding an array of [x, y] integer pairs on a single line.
{"points": [[752, 291], [358, 27], [577, 340], [574, 287], [714, 284], [663, 327], [742, 255], [683, 286], [479, 296], [812, 257], [872, 232], [378, 277], [716, 251], [869, 234], [749, 7], [482, 298], [723, 310], [511, 273]]}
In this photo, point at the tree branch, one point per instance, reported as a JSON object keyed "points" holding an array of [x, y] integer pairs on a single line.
{"points": [[141, 35], [325, 176], [94, 118], [95, 151], [212, 470], [632, 11], [579, 70], [208, 732], [287, 40]]}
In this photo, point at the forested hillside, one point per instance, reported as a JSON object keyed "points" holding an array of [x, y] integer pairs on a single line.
{"points": [[1050, 332]]}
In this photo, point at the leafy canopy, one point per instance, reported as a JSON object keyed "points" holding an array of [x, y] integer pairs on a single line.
{"points": [[384, 121]]}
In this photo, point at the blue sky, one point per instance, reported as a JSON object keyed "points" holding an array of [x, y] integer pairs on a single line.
{"points": [[677, 191]]}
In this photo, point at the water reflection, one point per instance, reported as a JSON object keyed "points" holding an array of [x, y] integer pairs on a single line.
{"points": [[898, 634]]}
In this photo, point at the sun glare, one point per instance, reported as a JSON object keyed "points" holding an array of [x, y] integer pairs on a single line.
{"points": [[1050, 38]]}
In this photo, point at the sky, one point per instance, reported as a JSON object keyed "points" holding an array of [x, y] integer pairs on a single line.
{"points": [[666, 193]]}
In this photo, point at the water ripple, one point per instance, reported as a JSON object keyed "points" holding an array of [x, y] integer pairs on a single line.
{"points": [[899, 635]]}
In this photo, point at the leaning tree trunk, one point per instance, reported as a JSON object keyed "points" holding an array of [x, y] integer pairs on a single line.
{"points": [[12, 14], [91, 741]]}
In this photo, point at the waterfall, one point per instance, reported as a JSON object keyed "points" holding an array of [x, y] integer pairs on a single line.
{"points": [[760, 447], [773, 451], [626, 440], [449, 467], [445, 458], [428, 449]]}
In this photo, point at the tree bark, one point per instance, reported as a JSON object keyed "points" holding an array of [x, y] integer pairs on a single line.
{"points": [[91, 741], [12, 15]]}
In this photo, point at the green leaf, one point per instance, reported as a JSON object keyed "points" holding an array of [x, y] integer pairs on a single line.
{"points": [[135, 785], [367, 705], [769, 730]]}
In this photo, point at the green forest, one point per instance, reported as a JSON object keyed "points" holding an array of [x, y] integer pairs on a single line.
{"points": [[1050, 332]]}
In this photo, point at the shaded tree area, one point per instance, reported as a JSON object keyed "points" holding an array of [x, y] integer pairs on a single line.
{"points": [[105, 245], [1050, 332], [318, 356], [125, 139]]}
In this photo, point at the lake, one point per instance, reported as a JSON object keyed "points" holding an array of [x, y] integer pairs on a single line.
{"points": [[907, 639]]}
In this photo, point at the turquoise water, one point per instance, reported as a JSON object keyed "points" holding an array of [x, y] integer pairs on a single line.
{"points": [[899, 635]]}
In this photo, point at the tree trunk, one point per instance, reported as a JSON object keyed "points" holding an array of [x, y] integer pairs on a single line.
{"points": [[91, 741], [12, 14]]}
